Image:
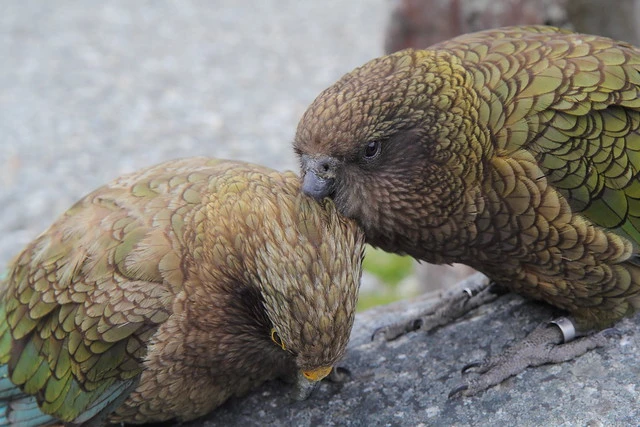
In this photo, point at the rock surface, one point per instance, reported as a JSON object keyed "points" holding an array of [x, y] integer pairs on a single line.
{"points": [[406, 382]]}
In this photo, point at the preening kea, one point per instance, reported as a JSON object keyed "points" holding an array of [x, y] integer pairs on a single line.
{"points": [[166, 292], [514, 150]]}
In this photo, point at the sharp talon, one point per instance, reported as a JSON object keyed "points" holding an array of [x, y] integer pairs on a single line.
{"points": [[376, 332], [611, 332], [468, 366], [457, 391], [468, 291], [417, 324]]}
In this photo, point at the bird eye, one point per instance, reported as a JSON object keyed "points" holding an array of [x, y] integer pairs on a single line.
{"points": [[372, 149], [276, 339]]}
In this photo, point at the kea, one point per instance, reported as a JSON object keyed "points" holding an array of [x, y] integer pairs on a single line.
{"points": [[159, 296], [515, 151]]}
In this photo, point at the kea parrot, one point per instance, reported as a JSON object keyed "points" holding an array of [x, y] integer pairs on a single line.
{"points": [[515, 151], [162, 294]]}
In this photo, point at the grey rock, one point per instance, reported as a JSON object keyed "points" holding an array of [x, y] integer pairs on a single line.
{"points": [[406, 381]]}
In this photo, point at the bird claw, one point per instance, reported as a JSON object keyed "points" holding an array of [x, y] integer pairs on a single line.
{"points": [[396, 330], [612, 332], [378, 331], [458, 391], [543, 345], [474, 294], [471, 365]]}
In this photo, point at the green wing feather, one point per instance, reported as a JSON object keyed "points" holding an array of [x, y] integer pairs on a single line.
{"points": [[592, 155], [573, 101], [82, 300]]}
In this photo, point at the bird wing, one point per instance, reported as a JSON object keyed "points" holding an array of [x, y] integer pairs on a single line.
{"points": [[573, 101], [84, 298]]}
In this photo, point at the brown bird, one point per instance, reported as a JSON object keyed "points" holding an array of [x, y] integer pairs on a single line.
{"points": [[166, 292], [515, 151]]}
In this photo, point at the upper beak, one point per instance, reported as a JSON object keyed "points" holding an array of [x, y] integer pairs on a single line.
{"points": [[319, 175], [306, 381]]}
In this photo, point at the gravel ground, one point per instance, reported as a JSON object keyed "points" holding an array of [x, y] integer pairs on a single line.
{"points": [[91, 90]]}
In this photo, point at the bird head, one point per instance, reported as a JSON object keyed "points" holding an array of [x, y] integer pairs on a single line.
{"points": [[309, 275], [389, 143]]}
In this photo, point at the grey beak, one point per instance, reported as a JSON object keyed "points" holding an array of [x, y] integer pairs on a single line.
{"points": [[303, 387], [316, 187], [319, 176]]}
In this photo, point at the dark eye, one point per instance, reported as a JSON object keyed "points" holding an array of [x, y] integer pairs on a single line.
{"points": [[276, 339], [372, 149]]}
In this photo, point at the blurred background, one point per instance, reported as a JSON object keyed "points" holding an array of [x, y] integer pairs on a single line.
{"points": [[91, 90]]}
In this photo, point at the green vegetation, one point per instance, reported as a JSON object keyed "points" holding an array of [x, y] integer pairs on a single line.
{"points": [[390, 269]]}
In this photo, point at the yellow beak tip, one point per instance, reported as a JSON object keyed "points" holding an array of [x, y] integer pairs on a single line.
{"points": [[317, 374]]}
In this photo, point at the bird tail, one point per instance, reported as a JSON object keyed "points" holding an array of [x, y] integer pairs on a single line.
{"points": [[17, 408]]}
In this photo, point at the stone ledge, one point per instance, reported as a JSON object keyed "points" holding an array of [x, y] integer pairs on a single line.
{"points": [[406, 382]]}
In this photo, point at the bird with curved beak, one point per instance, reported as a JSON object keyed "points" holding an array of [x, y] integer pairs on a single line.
{"points": [[515, 151], [164, 293]]}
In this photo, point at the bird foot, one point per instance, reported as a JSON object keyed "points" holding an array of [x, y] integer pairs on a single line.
{"points": [[546, 344], [473, 294]]}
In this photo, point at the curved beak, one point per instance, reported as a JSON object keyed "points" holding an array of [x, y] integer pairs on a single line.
{"points": [[319, 175], [306, 381], [316, 187]]}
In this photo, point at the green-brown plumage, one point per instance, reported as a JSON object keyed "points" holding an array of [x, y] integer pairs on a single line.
{"points": [[157, 296], [515, 151]]}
